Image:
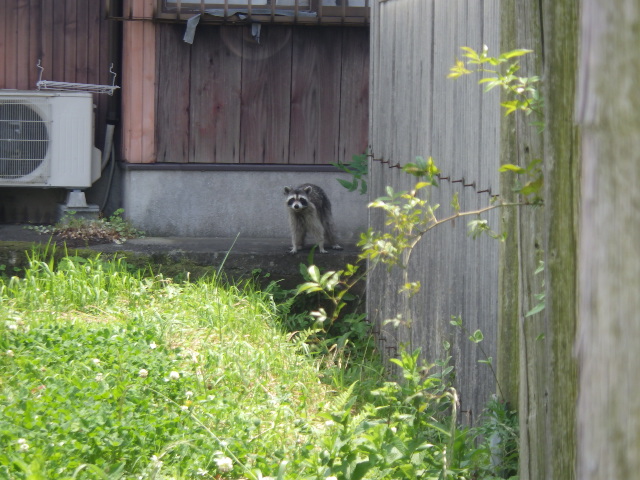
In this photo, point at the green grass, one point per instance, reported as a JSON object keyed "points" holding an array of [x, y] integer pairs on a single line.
{"points": [[102, 367], [109, 373]]}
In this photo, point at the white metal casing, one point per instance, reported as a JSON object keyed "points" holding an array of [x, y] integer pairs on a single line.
{"points": [[46, 139]]}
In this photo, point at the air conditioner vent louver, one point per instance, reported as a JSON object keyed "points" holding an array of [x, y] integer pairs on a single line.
{"points": [[46, 139], [24, 138]]}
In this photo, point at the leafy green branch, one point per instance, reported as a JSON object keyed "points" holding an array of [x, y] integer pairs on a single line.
{"points": [[524, 91], [410, 217], [523, 94]]}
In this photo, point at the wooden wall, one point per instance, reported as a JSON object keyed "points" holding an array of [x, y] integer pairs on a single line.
{"points": [[300, 96], [416, 111], [71, 37]]}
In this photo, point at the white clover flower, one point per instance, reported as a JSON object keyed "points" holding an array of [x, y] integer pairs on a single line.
{"points": [[12, 326], [188, 394], [174, 375], [224, 464], [143, 373], [10, 353], [155, 460], [153, 345], [96, 361], [184, 408], [202, 472], [23, 445], [329, 423], [99, 377]]}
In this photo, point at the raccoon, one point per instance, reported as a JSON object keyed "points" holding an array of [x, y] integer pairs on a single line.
{"points": [[310, 211]]}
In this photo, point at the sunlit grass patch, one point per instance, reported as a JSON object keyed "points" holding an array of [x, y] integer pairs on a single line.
{"points": [[106, 372]]}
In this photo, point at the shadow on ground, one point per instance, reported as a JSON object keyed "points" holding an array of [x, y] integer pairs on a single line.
{"points": [[263, 259]]}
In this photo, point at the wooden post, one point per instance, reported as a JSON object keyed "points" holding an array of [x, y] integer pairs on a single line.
{"points": [[609, 255], [139, 83]]}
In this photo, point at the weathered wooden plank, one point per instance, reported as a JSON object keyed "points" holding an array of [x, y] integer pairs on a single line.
{"points": [[148, 78], [521, 143], [132, 89], [47, 39], [24, 38], [173, 95], [99, 45], [266, 86], [82, 45], [608, 410], [354, 95], [35, 41], [69, 54], [215, 96], [12, 48], [56, 70], [3, 44], [139, 85], [315, 95]]}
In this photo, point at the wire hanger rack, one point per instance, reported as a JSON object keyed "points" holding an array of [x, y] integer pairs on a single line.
{"points": [[76, 87]]}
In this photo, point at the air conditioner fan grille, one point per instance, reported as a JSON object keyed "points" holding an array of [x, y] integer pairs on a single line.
{"points": [[24, 138]]}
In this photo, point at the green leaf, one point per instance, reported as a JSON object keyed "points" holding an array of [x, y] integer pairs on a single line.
{"points": [[351, 186], [533, 187], [314, 273], [308, 287], [458, 70], [509, 167], [537, 309], [477, 336], [515, 53], [455, 203], [532, 164]]}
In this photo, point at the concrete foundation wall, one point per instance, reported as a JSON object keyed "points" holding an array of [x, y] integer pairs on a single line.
{"points": [[225, 203]]}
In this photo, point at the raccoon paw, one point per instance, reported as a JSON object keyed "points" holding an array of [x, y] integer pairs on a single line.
{"points": [[293, 250], [336, 247]]}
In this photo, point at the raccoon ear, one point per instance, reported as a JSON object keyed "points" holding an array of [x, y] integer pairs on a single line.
{"points": [[308, 189], [287, 190]]}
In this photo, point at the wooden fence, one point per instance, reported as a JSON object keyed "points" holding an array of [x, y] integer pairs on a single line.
{"points": [[416, 111]]}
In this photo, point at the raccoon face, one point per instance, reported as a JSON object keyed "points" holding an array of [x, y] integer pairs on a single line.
{"points": [[297, 199]]}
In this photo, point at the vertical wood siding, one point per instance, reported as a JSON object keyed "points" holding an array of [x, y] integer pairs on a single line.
{"points": [[139, 84], [70, 37], [298, 97], [416, 111]]}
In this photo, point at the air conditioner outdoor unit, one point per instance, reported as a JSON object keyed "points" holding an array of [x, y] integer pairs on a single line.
{"points": [[46, 139]]}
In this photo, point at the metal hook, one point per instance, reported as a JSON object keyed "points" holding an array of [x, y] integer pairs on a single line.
{"points": [[41, 70], [113, 82]]}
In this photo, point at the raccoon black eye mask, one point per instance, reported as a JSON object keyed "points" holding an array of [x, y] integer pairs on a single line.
{"points": [[310, 212]]}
